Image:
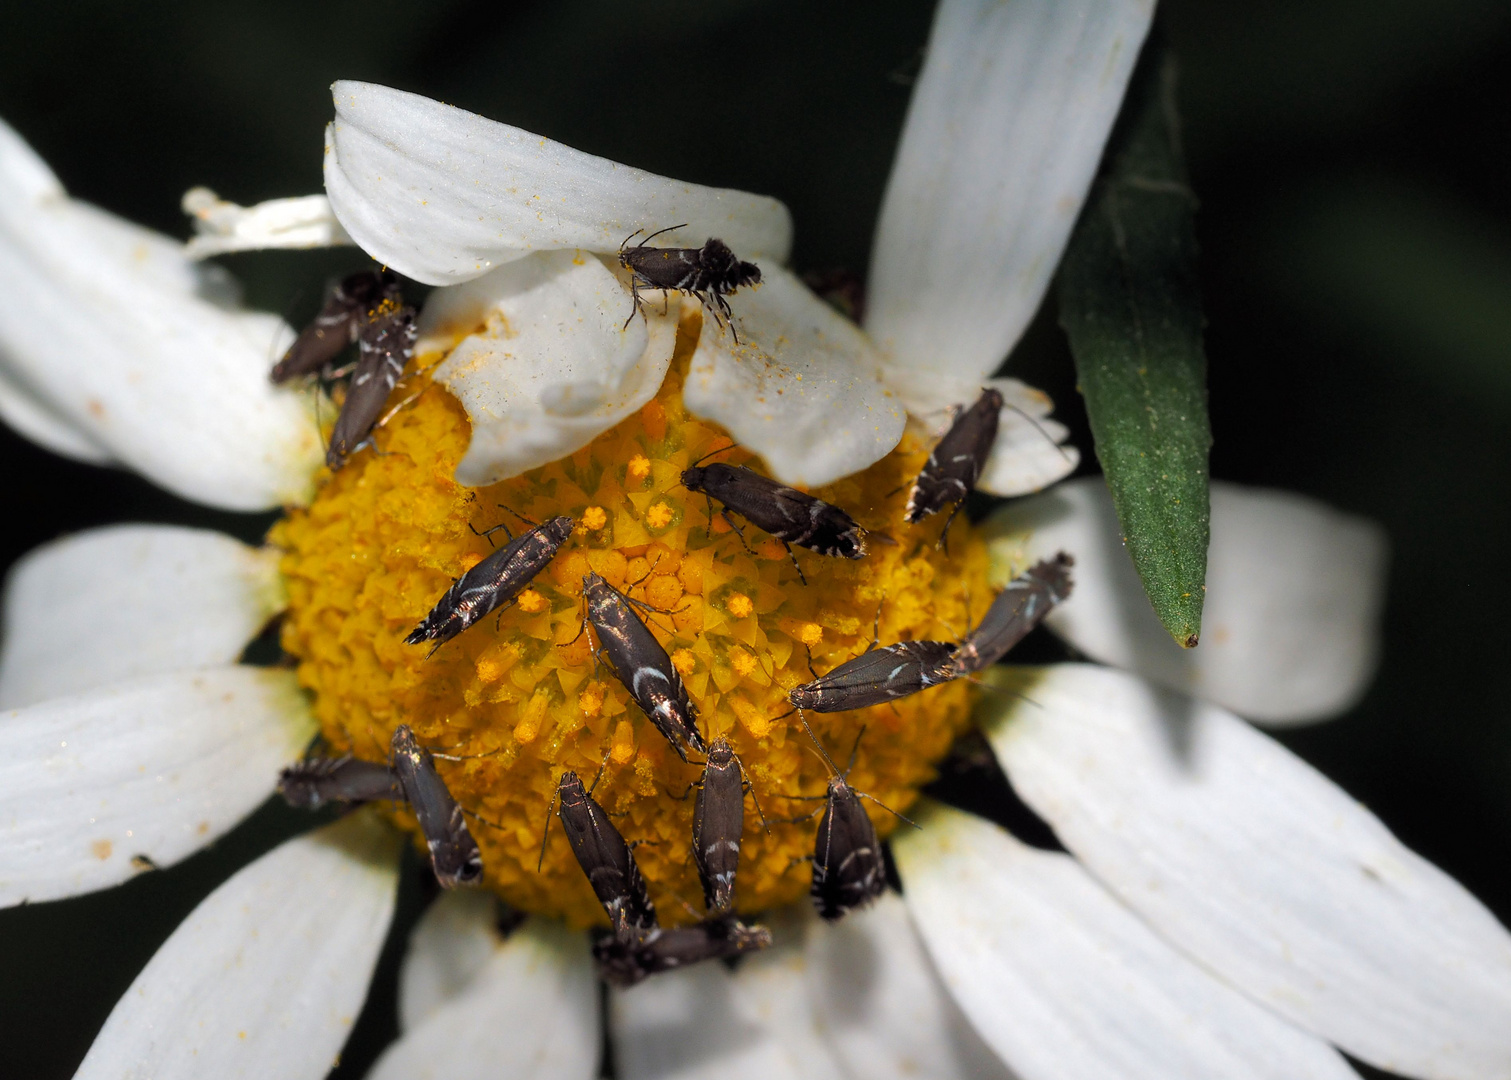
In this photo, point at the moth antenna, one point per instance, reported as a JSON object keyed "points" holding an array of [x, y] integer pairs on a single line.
{"points": [[854, 750], [727, 446], [546, 832], [1040, 430], [834, 769], [516, 513], [889, 810], [651, 236], [391, 413], [978, 681], [493, 825], [750, 784]]}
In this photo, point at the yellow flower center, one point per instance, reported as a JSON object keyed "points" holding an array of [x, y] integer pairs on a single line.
{"points": [[518, 696]]}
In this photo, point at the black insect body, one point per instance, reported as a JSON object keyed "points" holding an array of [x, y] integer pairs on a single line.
{"points": [[492, 583], [666, 950], [385, 345], [607, 861], [1018, 608], [350, 305], [877, 676], [314, 782], [848, 871], [710, 272], [718, 821], [792, 516], [953, 468], [453, 853], [642, 666]]}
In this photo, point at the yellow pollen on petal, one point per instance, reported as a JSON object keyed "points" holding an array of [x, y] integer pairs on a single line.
{"points": [[519, 697], [532, 602], [659, 516], [623, 749], [742, 662]]}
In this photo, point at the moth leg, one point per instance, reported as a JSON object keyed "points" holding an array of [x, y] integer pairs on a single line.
{"points": [[724, 513], [944, 535], [487, 534], [793, 556], [634, 299], [499, 621]]}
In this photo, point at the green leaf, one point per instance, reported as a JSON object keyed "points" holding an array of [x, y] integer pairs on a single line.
{"points": [[1130, 305]]}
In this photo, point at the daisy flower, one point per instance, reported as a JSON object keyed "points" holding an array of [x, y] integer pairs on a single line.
{"points": [[1217, 908]]}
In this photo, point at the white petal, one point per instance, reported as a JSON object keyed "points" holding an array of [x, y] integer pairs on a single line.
{"points": [[111, 603], [112, 330], [556, 364], [155, 767], [219, 226], [881, 1005], [704, 1022], [34, 420], [1291, 630], [1255, 864], [1002, 140], [1065, 984], [531, 1014], [447, 948], [443, 195], [266, 976], [800, 388]]}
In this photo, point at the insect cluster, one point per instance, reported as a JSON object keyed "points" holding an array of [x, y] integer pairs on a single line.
{"points": [[367, 309], [848, 867]]}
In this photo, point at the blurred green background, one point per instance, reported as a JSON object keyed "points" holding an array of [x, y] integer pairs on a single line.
{"points": [[1352, 159]]}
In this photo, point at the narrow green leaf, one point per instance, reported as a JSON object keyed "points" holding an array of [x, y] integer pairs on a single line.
{"points": [[1130, 304]]}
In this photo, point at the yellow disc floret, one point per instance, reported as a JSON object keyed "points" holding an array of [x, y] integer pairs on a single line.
{"points": [[518, 698]]}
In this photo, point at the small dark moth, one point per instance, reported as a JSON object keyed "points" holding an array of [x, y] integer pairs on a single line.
{"points": [[718, 821], [347, 309], [848, 871], [453, 853], [791, 516], [710, 272], [877, 676], [385, 345], [314, 782], [1017, 609], [607, 861], [953, 468], [848, 867], [492, 583], [665, 950], [642, 666]]}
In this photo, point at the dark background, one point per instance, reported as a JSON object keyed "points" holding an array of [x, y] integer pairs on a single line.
{"points": [[1353, 161]]}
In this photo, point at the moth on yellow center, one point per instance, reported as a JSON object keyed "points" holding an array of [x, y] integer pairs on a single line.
{"points": [[519, 697]]}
